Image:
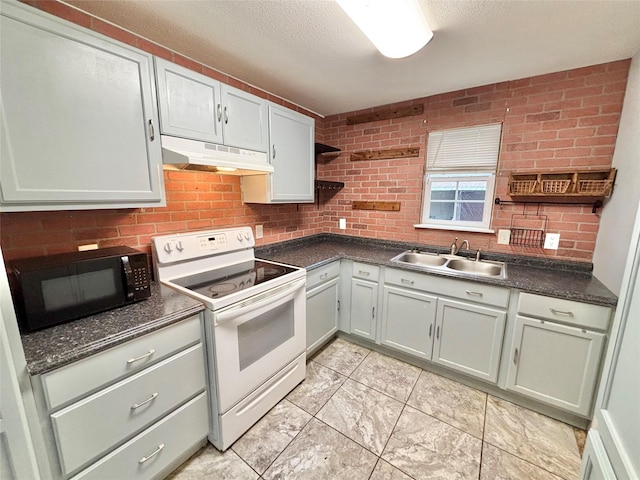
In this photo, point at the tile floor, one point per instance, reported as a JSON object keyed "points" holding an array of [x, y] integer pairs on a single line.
{"points": [[362, 415]]}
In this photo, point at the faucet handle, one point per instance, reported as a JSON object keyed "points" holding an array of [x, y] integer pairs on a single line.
{"points": [[478, 255]]}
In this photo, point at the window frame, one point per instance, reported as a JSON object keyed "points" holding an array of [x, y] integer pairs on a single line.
{"points": [[488, 176], [470, 153]]}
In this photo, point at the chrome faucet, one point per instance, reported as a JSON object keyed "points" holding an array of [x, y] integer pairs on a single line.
{"points": [[478, 255], [455, 248]]}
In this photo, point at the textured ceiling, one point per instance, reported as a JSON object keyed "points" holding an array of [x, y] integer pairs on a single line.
{"points": [[309, 51]]}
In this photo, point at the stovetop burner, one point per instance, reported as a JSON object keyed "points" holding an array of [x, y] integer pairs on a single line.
{"points": [[220, 282]]}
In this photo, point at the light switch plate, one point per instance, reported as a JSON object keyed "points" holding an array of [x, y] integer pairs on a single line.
{"points": [[259, 231], [343, 223], [504, 236], [551, 241]]}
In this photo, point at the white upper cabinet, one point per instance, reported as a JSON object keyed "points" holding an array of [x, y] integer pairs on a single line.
{"points": [[197, 107], [291, 153], [190, 104], [78, 118], [245, 119]]}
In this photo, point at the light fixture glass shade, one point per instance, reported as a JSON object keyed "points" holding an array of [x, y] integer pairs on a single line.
{"points": [[396, 27]]}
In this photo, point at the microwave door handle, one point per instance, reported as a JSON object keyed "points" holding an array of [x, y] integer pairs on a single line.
{"points": [[128, 276], [244, 308]]}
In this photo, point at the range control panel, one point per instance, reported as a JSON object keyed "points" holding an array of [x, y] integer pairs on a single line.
{"points": [[187, 246]]}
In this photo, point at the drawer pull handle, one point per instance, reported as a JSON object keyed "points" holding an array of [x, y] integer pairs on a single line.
{"points": [[515, 357], [561, 312], [152, 131], [324, 275], [338, 305], [474, 294], [150, 456], [430, 329], [406, 282], [362, 272], [138, 405], [373, 312], [148, 354]]}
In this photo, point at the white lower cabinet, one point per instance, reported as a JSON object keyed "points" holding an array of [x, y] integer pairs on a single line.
{"points": [[458, 335], [322, 314], [151, 452], [364, 298], [554, 363], [129, 422], [469, 338], [408, 321], [595, 461]]}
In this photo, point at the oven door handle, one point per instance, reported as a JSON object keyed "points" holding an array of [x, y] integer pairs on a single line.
{"points": [[258, 302]]}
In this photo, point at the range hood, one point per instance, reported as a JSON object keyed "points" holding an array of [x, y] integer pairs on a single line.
{"points": [[185, 154]]}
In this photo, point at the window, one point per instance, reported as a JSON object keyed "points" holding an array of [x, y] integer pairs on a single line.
{"points": [[460, 178]]}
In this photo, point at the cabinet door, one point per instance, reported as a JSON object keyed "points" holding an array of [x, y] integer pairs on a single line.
{"points": [[595, 462], [469, 338], [408, 319], [555, 364], [244, 119], [78, 118], [291, 140], [364, 298], [322, 314], [189, 103]]}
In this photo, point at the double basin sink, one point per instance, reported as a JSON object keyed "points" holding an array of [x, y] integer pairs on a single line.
{"points": [[452, 264]]}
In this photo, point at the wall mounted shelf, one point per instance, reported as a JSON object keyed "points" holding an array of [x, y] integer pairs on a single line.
{"points": [[575, 183]]}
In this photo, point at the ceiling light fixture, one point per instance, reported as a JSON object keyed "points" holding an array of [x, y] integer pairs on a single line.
{"points": [[396, 27]]}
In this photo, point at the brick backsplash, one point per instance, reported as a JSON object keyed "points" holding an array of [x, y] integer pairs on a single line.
{"points": [[555, 121]]}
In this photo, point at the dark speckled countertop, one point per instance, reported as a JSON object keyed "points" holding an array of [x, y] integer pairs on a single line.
{"points": [[561, 279], [54, 347]]}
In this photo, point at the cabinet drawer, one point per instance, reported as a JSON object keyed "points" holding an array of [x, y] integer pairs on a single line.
{"points": [[82, 377], [566, 311], [90, 427], [461, 289], [173, 434], [322, 274], [365, 271]]}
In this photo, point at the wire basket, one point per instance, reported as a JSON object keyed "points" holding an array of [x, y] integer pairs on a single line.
{"points": [[527, 237], [522, 186], [594, 187], [555, 186]]}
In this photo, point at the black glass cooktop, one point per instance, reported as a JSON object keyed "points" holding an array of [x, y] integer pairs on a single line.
{"points": [[223, 281]]}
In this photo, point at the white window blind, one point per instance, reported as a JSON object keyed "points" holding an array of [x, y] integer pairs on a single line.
{"points": [[469, 148]]}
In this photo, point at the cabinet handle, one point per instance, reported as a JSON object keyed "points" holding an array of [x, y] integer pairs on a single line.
{"points": [[273, 149], [138, 405], [338, 305], [152, 131], [406, 282], [219, 112], [515, 357], [148, 354], [474, 294], [362, 272], [438, 332], [324, 275], [430, 330], [150, 456], [373, 312], [561, 312], [226, 115]]}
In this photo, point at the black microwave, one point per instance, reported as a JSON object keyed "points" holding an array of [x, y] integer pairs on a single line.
{"points": [[58, 288]]}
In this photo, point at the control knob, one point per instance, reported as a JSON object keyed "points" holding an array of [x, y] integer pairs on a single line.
{"points": [[167, 247]]}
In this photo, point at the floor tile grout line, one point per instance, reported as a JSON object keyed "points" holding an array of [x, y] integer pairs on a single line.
{"points": [[484, 431]]}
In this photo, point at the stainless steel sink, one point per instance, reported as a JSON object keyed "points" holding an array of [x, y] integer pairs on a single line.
{"points": [[421, 258], [452, 264], [480, 267]]}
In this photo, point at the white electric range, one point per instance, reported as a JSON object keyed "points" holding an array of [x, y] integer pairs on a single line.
{"points": [[255, 322]]}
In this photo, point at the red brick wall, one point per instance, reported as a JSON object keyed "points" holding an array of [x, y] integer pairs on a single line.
{"points": [[195, 201], [557, 121]]}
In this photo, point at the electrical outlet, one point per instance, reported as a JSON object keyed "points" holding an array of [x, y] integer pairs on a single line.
{"points": [[343, 224], [504, 237], [551, 241], [259, 231]]}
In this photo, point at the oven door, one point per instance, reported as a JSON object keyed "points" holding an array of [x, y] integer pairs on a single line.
{"points": [[255, 338]]}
